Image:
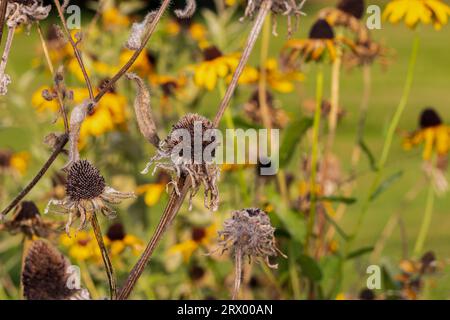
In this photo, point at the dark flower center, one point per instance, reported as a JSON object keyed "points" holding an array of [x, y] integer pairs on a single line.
{"points": [[198, 234], [353, 7], [5, 158], [84, 181], [26, 211], [196, 272], [255, 98], [116, 232], [211, 53], [169, 87], [366, 294], [429, 118], [321, 30]]}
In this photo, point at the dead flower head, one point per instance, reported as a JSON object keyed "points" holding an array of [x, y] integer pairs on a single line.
{"points": [[289, 8], [46, 275], [184, 155], [86, 194], [253, 110], [28, 220], [248, 233]]}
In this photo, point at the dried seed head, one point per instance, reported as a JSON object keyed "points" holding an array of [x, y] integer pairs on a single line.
{"points": [[116, 232], [249, 233], [352, 7], [27, 210], [84, 181], [321, 30], [45, 275], [429, 118], [25, 12], [138, 31]]}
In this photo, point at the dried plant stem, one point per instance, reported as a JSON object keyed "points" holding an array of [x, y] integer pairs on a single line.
{"points": [[237, 274], [390, 134], [38, 176], [314, 155], [171, 210], [253, 36], [105, 256], [76, 51], [426, 223], [3, 6], [62, 109], [136, 54], [6, 50]]}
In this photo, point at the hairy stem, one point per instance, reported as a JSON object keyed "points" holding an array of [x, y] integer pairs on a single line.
{"points": [[253, 36], [105, 256], [171, 210]]}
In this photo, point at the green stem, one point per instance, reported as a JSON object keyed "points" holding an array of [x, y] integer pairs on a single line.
{"points": [[426, 222], [314, 153], [391, 132]]}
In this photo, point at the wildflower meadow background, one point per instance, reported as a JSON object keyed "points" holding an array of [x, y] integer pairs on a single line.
{"points": [[187, 66]]}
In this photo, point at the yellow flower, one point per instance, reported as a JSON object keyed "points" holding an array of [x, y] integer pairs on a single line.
{"points": [[143, 64], [173, 28], [169, 85], [214, 67], [41, 104], [200, 237], [414, 12], [432, 133], [19, 161], [81, 245], [75, 69], [230, 2], [118, 241], [321, 42], [112, 18], [153, 191]]}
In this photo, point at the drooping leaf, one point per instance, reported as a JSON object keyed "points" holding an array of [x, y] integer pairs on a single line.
{"points": [[359, 252], [292, 137], [369, 154], [337, 227], [344, 200], [386, 184], [310, 268]]}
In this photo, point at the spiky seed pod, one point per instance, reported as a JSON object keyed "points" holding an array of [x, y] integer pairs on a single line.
{"points": [[353, 7], [170, 156], [429, 118], [84, 181], [321, 30], [248, 233], [45, 275]]}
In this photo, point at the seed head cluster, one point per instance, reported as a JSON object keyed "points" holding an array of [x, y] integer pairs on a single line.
{"points": [[84, 181]]}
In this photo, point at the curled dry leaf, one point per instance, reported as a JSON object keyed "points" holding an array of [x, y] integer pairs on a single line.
{"points": [[143, 111], [188, 11]]}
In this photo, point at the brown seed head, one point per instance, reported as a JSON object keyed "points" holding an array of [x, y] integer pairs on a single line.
{"points": [[84, 181]]}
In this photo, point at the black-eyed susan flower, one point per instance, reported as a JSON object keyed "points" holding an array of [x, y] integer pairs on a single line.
{"points": [[144, 64], [321, 43], [81, 246], [199, 238], [153, 191], [86, 194], [117, 240], [113, 19], [432, 133], [28, 221], [366, 53], [14, 162], [193, 165], [413, 12], [46, 275], [215, 66]]}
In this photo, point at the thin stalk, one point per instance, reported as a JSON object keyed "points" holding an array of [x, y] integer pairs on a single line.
{"points": [[6, 50], [237, 274], [38, 176], [314, 154], [136, 54], [426, 223], [105, 256], [335, 89], [76, 51], [391, 132], [253, 36], [172, 207], [3, 6], [87, 279]]}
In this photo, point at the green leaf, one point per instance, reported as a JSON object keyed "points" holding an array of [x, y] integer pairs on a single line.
{"points": [[369, 154], [292, 137], [310, 268], [359, 252], [239, 122], [344, 200], [386, 184], [339, 230], [293, 223]]}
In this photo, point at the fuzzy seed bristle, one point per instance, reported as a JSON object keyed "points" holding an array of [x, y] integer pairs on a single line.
{"points": [[84, 181]]}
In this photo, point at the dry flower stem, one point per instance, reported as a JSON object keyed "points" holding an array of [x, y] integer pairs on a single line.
{"points": [[6, 50], [105, 256], [136, 54], [62, 110], [3, 6], [171, 210], [253, 36], [238, 273], [76, 51], [38, 176]]}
